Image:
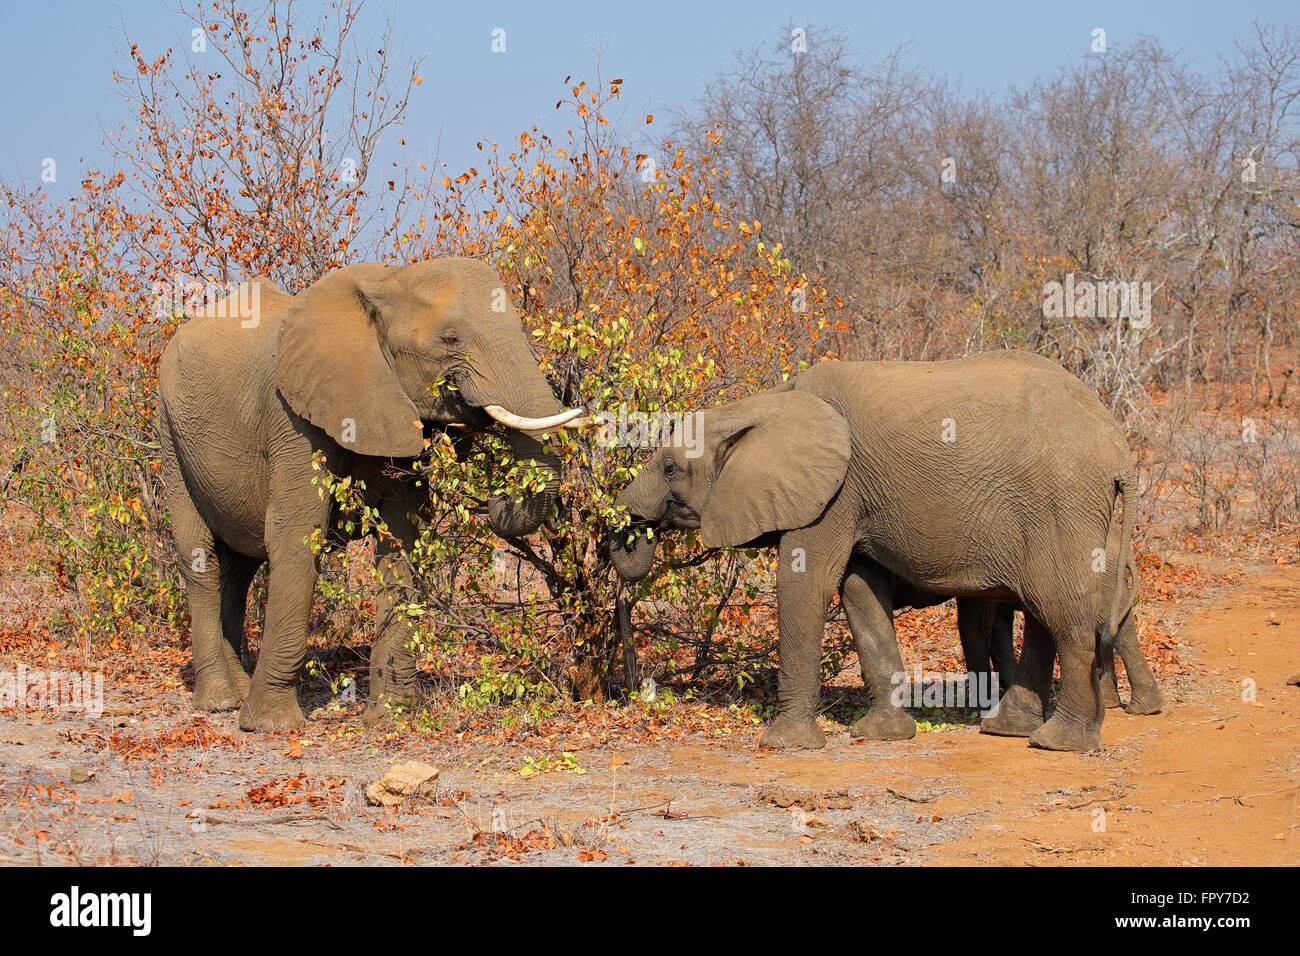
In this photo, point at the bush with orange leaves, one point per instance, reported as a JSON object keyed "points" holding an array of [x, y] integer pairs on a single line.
{"points": [[644, 299], [642, 293], [83, 485]]}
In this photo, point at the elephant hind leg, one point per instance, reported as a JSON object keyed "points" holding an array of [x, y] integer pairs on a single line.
{"points": [[1076, 724], [1110, 689], [1002, 644], [868, 604], [237, 575], [1020, 711], [272, 701], [974, 626], [1147, 698], [203, 568], [987, 630], [216, 687]]}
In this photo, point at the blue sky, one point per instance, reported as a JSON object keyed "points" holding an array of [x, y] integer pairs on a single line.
{"points": [[56, 57]]}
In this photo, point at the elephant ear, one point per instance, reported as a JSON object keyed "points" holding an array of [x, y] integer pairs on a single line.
{"points": [[779, 459], [332, 369]]}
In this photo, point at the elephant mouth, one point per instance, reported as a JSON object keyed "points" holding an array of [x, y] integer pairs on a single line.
{"points": [[469, 416], [680, 515], [481, 413]]}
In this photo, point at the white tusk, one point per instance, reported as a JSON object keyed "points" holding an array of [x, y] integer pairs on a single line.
{"points": [[519, 423]]}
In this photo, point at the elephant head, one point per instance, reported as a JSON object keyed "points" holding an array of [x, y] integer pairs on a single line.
{"points": [[768, 463], [372, 353]]}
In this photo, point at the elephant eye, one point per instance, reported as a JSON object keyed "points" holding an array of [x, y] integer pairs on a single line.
{"points": [[449, 338], [670, 468]]}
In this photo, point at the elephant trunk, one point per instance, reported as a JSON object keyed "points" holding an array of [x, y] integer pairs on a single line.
{"points": [[632, 550], [632, 554], [514, 518], [520, 389]]}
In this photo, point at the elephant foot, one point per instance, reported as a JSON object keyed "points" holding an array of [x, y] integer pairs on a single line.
{"points": [[884, 723], [268, 713], [1061, 733], [1146, 700], [1110, 695], [387, 699], [793, 733], [1017, 714], [385, 708], [213, 694]]}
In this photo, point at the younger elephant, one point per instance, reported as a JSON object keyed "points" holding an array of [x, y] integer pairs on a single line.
{"points": [[986, 629], [991, 477], [360, 369]]}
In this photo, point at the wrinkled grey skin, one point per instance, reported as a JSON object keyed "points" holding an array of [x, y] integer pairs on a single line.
{"points": [[345, 368], [992, 477]]}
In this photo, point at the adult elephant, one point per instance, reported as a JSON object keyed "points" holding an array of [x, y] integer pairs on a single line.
{"points": [[992, 477], [360, 368]]}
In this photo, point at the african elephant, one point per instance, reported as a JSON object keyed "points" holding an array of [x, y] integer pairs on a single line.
{"points": [[361, 367], [991, 477], [986, 631]]}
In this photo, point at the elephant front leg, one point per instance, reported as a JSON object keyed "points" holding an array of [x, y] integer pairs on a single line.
{"points": [[392, 664], [392, 668], [807, 571], [866, 593], [272, 702]]}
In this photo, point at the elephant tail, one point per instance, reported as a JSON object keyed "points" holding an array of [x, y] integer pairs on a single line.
{"points": [[1125, 568], [1124, 486]]}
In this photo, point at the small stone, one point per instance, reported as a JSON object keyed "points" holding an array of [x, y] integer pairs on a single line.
{"points": [[409, 782]]}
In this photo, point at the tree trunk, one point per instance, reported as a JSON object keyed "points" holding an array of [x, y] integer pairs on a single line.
{"points": [[589, 673]]}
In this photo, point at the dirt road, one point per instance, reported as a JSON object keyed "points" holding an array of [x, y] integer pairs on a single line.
{"points": [[1215, 779]]}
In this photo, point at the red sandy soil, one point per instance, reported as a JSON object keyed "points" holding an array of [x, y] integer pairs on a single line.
{"points": [[1212, 780]]}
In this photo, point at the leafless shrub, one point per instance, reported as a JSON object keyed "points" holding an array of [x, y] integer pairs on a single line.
{"points": [[939, 218], [1270, 461]]}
